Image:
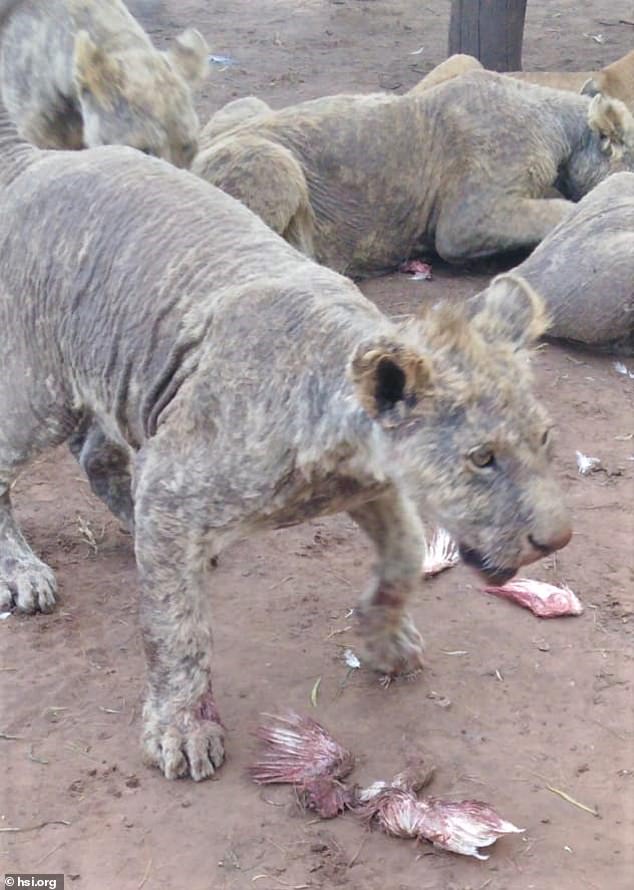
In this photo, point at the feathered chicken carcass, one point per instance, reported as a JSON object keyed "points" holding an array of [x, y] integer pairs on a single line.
{"points": [[458, 826], [298, 751]]}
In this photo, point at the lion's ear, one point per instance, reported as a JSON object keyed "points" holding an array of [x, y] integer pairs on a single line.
{"points": [[386, 374], [511, 310], [613, 122], [590, 87], [95, 72], [189, 56]]}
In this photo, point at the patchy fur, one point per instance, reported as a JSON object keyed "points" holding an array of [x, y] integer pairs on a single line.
{"points": [[217, 383], [462, 168], [585, 269], [78, 73]]}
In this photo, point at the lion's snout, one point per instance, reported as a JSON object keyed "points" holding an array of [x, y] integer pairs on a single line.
{"points": [[538, 547]]}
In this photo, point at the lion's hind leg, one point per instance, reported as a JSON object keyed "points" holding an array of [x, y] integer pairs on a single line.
{"points": [[107, 467], [454, 66], [267, 178], [231, 115]]}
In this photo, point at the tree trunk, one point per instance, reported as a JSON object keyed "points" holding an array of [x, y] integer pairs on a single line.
{"points": [[490, 30]]}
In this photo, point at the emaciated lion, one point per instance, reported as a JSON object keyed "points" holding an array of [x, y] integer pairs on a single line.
{"points": [[238, 386], [363, 182]]}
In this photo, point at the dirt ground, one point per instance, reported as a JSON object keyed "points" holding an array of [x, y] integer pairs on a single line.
{"points": [[533, 703]]}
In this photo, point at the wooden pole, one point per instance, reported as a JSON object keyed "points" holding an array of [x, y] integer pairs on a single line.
{"points": [[490, 30]]}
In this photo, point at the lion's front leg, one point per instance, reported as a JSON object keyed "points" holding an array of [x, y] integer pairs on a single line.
{"points": [[182, 732], [392, 644], [476, 228]]}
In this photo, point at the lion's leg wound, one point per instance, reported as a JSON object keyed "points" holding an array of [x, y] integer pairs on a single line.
{"points": [[107, 467], [31, 419], [182, 733], [392, 644], [471, 230]]}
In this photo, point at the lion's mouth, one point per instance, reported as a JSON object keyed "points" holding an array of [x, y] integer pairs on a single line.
{"points": [[491, 574]]}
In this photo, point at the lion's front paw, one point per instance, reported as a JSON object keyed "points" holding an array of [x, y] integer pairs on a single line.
{"points": [[186, 744], [26, 584], [392, 645]]}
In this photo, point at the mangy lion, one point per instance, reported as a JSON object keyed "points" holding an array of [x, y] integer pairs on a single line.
{"points": [[362, 182], [226, 384], [615, 80], [78, 73], [584, 269]]}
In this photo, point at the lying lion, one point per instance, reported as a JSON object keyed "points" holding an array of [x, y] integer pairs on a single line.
{"points": [[361, 183], [585, 269], [217, 383], [78, 73], [615, 80]]}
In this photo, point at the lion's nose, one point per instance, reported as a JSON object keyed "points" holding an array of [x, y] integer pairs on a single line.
{"points": [[556, 542]]}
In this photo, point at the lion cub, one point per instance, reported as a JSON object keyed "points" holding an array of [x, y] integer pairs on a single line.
{"points": [[83, 73]]}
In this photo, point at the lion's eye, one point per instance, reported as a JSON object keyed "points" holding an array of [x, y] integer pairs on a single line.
{"points": [[545, 437], [482, 457]]}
